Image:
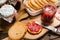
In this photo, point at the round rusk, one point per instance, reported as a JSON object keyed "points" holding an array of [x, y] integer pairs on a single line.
{"points": [[36, 1], [44, 1], [29, 3], [28, 6], [40, 1], [34, 4], [54, 1], [48, 1], [17, 31]]}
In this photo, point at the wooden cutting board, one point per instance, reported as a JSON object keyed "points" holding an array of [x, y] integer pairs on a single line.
{"points": [[38, 18], [22, 14], [30, 36]]}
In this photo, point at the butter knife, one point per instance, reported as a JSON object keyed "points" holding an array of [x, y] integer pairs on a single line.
{"points": [[56, 30]]}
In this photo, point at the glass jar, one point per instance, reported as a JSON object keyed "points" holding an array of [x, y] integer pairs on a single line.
{"points": [[48, 13]]}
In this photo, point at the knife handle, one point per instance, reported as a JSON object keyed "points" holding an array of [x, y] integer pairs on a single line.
{"points": [[55, 30], [51, 28]]}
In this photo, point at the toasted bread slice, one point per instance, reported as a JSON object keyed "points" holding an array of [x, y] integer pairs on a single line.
{"points": [[29, 3], [34, 4], [54, 1], [28, 6], [36, 1], [17, 31], [33, 27], [40, 1], [44, 1], [48, 1]]}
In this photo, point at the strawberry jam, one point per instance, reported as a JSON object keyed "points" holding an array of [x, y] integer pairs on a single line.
{"points": [[48, 13]]}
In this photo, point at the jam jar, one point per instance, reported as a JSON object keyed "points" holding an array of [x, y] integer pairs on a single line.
{"points": [[7, 15], [48, 12]]}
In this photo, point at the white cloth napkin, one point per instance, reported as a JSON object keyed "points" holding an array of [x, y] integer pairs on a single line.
{"points": [[8, 19], [6, 11], [3, 1]]}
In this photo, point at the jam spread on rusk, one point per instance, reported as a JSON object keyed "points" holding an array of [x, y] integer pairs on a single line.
{"points": [[33, 27]]}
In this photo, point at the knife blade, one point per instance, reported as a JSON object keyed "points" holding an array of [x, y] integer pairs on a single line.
{"points": [[52, 28]]}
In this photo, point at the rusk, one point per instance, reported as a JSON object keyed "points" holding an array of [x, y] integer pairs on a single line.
{"points": [[17, 31], [40, 1], [36, 1], [54, 1], [27, 5], [44, 1], [34, 4], [34, 28]]}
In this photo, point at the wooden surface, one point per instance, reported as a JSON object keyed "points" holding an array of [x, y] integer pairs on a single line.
{"points": [[30, 36], [22, 14], [37, 18]]}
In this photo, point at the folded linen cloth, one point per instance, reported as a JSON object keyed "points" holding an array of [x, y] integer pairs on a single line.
{"points": [[7, 12]]}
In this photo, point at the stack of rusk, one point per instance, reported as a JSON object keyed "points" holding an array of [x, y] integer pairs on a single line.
{"points": [[34, 5]]}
